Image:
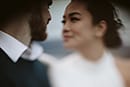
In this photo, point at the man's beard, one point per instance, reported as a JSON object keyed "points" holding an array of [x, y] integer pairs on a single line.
{"points": [[39, 34], [38, 28]]}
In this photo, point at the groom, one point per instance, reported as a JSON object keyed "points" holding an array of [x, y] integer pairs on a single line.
{"points": [[22, 21]]}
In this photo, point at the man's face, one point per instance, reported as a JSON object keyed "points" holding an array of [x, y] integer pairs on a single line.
{"points": [[39, 21]]}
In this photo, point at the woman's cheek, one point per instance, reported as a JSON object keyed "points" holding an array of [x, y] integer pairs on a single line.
{"points": [[76, 32]]}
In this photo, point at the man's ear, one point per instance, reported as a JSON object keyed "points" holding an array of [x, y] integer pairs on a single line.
{"points": [[101, 28]]}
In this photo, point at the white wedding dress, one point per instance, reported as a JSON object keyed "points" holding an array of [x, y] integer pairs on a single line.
{"points": [[76, 71]]}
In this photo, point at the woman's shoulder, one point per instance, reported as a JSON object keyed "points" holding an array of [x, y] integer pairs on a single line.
{"points": [[123, 62], [68, 59], [124, 67]]}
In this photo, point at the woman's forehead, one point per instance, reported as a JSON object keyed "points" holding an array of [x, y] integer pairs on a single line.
{"points": [[75, 8]]}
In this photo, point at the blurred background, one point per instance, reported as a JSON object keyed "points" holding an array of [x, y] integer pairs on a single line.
{"points": [[54, 45]]}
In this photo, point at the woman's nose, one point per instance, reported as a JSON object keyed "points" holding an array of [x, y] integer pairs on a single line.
{"points": [[66, 26]]}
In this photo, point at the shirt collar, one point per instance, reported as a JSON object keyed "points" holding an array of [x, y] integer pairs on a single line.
{"points": [[34, 52], [11, 46]]}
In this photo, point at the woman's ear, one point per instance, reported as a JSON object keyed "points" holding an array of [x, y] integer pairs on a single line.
{"points": [[101, 28]]}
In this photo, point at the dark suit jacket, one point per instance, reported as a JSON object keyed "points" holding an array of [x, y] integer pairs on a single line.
{"points": [[22, 73]]}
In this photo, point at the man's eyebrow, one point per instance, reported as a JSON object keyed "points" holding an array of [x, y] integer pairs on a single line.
{"points": [[72, 14]]}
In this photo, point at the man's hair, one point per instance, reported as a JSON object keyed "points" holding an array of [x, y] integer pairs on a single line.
{"points": [[10, 9]]}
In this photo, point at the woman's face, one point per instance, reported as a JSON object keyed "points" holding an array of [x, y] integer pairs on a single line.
{"points": [[78, 29]]}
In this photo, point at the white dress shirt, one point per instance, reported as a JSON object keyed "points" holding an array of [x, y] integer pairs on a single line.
{"points": [[36, 51], [11, 46], [76, 71], [33, 53]]}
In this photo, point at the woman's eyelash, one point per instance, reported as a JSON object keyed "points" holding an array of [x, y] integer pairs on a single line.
{"points": [[75, 19], [71, 19], [63, 21]]}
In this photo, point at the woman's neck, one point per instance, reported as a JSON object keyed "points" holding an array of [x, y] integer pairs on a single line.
{"points": [[93, 53]]}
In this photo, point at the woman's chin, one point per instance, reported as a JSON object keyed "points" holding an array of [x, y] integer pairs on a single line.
{"points": [[68, 46]]}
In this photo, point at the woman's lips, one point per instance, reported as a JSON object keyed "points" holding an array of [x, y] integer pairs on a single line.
{"points": [[66, 37]]}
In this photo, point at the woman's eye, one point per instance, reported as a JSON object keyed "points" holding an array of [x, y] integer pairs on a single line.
{"points": [[63, 21], [71, 19], [75, 19]]}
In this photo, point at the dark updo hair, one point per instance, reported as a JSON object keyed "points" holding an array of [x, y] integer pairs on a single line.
{"points": [[10, 9], [104, 10], [122, 3]]}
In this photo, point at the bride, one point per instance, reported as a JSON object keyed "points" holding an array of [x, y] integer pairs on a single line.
{"points": [[90, 28]]}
